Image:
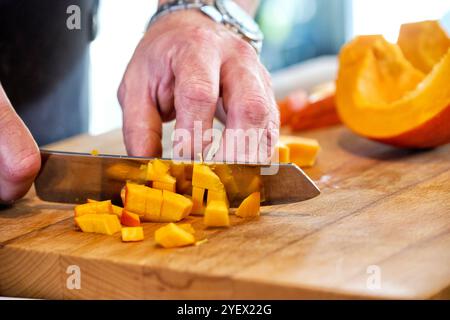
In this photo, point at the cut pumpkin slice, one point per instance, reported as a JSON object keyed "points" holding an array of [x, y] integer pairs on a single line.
{"points": [[380, 95], [250, 206]]}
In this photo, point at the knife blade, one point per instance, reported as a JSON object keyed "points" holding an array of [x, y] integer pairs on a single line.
{"points": [[70, 177]]}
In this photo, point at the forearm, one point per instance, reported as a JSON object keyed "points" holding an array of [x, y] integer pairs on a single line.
{"points": [[248, 5]]}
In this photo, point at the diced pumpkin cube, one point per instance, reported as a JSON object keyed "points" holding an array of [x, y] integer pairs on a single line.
{"points": [[174, 207], [172, 236], [204, 177], [198, 195], [130, 219], [282, 154], [94, 208], [167, 182], [250, 206], [156, 169], [144, 201], [135, 198], [99, 223], [153, 205], [216, 214], [132, 234], [116, 209], [217, 196], [302, 151]]}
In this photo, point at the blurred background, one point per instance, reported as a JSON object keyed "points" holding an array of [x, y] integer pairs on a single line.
{"points": [[300, 35]]}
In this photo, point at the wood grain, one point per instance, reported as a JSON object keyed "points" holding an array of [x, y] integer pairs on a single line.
{"points": [[379, 206]]}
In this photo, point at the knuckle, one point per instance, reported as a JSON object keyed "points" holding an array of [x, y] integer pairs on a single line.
{"points": [[197, 95], [255, 110], [24, 166]]}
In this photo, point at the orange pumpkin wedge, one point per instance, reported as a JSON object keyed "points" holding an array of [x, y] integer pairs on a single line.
{"points": [[250, 206], [381, 96]]}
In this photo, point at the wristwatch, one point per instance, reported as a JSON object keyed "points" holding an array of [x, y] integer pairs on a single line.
{"points": [[226, 12]]}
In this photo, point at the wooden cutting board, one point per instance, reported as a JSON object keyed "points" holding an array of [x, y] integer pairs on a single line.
{"points": [[380, 229]]}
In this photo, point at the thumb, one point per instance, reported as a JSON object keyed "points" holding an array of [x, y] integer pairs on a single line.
{"points": [[20, 159]]}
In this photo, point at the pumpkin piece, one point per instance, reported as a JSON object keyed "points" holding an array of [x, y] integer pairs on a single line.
{"points": [[198, 194], [217, 196], [135, 198], [116, 209], [132, 234], [187, 227], [281, 153], [99, 223], [153, 205], [174, 207], [423, 44], [204, 177], [381, 96], [156, 170], [319, 111], [143, 201], [166, 183], [216, 214], [130, 219], [302, 151], [94, 208], [172, 236], [290, 105], [250, 206]]}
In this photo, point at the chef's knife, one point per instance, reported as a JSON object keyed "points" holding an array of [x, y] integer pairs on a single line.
{"points": [[74, 177]]}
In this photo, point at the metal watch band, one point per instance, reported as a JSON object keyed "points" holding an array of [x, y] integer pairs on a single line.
{"points": [[179, 5]]}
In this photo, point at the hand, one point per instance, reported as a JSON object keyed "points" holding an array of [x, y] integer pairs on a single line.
{"points": [[184, 67], [20, 159]]}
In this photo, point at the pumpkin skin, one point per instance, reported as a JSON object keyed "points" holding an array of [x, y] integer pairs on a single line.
{"points": [[382, 96]]}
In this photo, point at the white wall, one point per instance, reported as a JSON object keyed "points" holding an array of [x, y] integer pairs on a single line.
{"points": [[385, 16], [121, 25]]}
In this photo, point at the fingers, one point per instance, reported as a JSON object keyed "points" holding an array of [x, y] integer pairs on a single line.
{"points": [[197, 79], [142, 127], [252, 116], [20, 159]]}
